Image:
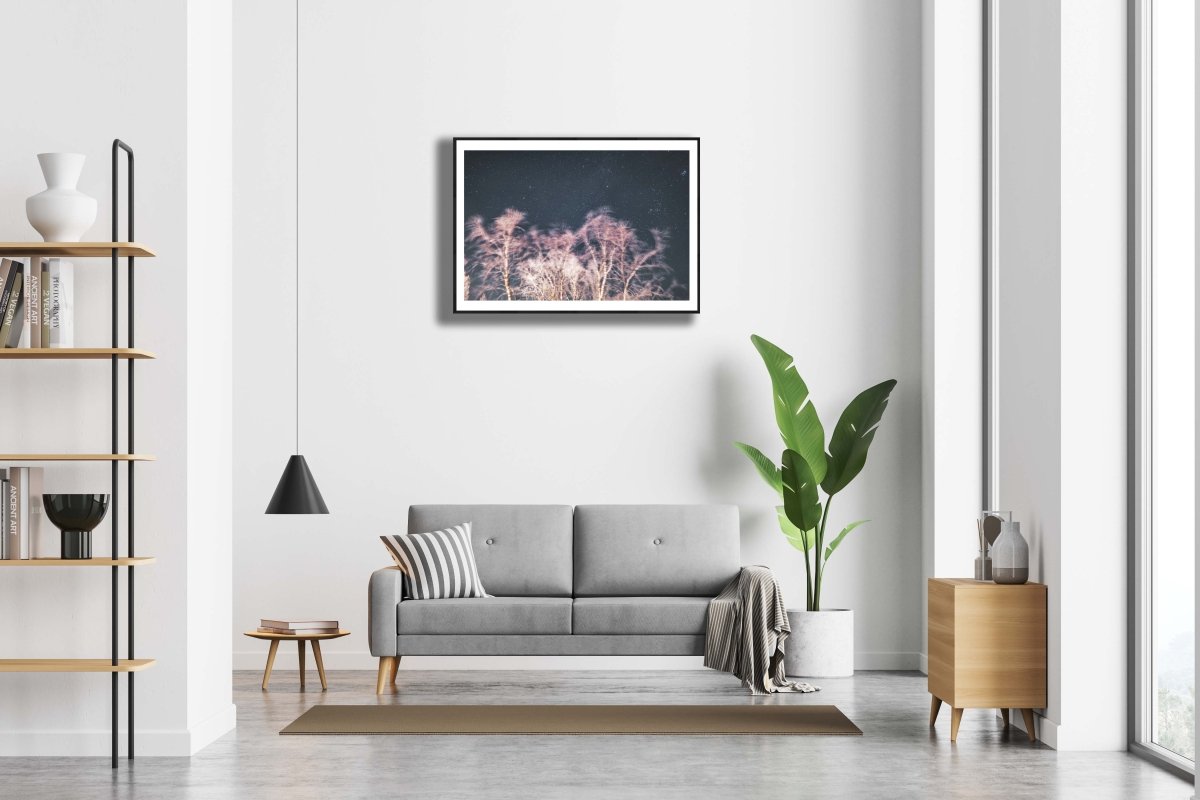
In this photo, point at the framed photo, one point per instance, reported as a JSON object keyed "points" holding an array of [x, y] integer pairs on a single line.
{"points": [[556, 225]]}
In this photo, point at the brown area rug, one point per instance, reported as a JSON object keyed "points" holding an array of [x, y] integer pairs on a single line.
{"points": [[585, 720]]}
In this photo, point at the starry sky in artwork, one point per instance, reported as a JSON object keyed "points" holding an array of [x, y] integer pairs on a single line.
{"points": [[557, 188]]}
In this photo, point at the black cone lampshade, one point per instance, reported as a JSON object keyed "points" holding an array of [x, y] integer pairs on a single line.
{"points": [[297, 492]]}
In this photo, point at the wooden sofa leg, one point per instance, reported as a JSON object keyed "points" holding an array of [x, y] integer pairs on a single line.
{"points": [[395, 669], [387, 672]]}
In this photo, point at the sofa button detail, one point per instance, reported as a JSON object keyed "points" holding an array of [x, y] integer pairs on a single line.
{"points": [[490, 541], [658, 541]]}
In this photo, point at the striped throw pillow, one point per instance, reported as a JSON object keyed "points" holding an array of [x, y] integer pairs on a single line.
{"points": [[439, 564]]}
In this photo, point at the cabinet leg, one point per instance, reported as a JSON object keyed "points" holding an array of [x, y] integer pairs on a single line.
{"points": [[270, 662], [1004, 714], [300, 647], [935, 705], [316, 646], [1027, 715], [955, 719], [385, 671]]}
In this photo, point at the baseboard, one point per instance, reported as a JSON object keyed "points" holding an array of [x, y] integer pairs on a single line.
{"points": [[887, 661], [173, 743], [363, 660], [1047, 729], [213, 728], [923, 665]]}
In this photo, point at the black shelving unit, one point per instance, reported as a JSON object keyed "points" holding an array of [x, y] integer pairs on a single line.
{"points": [[116, 249], [119, 147]]}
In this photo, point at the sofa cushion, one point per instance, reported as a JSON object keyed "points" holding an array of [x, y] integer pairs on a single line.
{"points": [[660, 645], [654, 550], [503, 616], [639, 615], [519, 550], [438, 564]]}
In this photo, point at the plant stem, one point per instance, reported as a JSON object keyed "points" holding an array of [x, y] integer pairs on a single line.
{"points": [[820, 567], [808, 582]]}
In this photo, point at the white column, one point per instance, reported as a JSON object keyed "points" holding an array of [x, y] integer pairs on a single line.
{"points": [[1093, 541], [952, 293], [210, 711]]}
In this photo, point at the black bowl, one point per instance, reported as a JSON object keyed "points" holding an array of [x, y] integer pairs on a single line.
{"points": [[75, 512]]}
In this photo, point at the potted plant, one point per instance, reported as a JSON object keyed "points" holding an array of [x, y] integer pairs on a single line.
{"points": [[822, 639]]}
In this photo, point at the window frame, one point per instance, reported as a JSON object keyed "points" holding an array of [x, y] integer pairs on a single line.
{"points": [[1141, 424]]}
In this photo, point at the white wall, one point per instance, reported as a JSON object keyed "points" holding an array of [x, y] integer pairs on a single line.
{"points": [[1062, 268], [810, 119], [1028, 149], [952, 288], [92, 72]]}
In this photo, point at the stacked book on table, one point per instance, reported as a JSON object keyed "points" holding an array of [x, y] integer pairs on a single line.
{"points": [[298, 628]]}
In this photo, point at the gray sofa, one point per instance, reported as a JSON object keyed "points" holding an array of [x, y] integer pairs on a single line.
{"points": [[593, 580]]}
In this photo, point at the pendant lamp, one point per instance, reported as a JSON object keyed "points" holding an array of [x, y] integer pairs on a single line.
{"points": [[297, 491]]}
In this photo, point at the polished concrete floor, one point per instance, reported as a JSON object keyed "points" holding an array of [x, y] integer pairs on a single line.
{"points": [[898, 756]]}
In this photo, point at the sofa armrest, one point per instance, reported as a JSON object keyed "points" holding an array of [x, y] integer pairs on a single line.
{"points": [[385, 591]]}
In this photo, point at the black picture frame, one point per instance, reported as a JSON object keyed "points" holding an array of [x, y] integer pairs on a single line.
{"points": [[658, 181]]}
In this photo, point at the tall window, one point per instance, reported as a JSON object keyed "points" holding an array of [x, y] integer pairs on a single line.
{"points": [[1164, 235]]}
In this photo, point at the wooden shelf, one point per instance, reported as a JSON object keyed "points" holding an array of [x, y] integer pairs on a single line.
{"points": [[76, 249], [78, 353], [22, 457], [127, 561], [74, 664]]}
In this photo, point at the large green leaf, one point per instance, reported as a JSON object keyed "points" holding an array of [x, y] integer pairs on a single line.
{"points": [[795, 414], [801, 540], [853, 436], [766, 467], [829, 548], [801, 502]]}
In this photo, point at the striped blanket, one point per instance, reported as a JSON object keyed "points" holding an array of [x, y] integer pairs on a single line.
{"points": [[747, 631]]}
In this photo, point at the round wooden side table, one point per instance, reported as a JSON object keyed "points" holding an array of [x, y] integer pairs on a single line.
{"points": [[299, 638]]}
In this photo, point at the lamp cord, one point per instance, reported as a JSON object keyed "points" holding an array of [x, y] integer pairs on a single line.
{"points": [[297, 227]]}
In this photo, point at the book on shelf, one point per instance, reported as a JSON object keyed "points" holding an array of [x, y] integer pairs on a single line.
{"points": [[5, 488], [24, 524], [44, 540], [12, 519], [62, 302], [44, 313], [293, 626], [31, 334], [18, 321], [11, 300], [31, 320], [7, 265]]}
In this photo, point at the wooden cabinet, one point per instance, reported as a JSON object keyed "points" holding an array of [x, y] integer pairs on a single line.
{"points": [[987, 648]]}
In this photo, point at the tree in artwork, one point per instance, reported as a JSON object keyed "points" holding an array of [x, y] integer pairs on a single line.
{"points": [[605, 258]]}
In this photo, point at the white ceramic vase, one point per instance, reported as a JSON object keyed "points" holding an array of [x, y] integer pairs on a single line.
{"points": [[1010, 555], [61, 213], [821, 644]]}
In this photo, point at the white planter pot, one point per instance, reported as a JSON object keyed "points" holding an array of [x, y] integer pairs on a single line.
{"points": [[61, 213], [821, 644]]}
